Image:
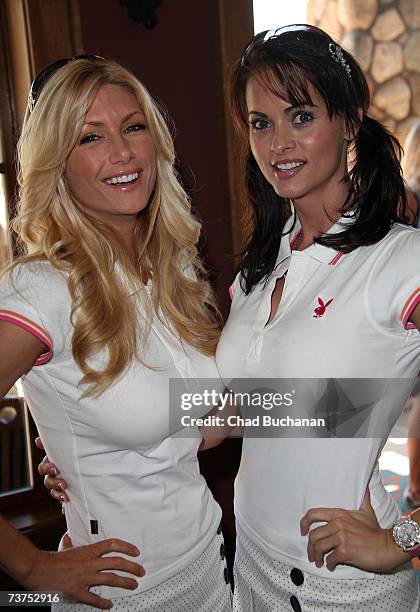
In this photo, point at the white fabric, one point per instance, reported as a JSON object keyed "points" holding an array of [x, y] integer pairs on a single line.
{"points": [[123, 468], [200, 587], [359, 335], [263, 584]]}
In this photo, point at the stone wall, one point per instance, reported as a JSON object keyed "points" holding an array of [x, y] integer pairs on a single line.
{"points": [[384, 36]]}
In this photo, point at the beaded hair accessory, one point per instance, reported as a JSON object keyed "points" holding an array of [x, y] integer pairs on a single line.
{"points": [[336, 53], [298, 33]]}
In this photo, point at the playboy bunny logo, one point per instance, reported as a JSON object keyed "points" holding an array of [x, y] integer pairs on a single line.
{"points": [[320, 310]]}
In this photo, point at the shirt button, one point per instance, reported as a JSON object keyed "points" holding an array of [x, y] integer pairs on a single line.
{"points": [[296, 576], [222, 551], [226, 575], [295, 604]]}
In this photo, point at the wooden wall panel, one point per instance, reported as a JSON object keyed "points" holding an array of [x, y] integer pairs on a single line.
{"points": [[236, 28], [53, 31]]}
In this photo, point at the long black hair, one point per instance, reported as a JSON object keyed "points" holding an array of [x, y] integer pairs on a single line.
{"points": [[288, 62]]}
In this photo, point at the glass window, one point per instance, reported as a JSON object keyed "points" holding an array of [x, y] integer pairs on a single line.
{"points": [[269, 15], [15, 454]]}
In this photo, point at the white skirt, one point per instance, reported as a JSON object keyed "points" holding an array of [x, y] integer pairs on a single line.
{"points": [[263, 584], [203, 586]]}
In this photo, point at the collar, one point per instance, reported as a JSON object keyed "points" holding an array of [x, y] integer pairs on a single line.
{"points": [[318, 252]]}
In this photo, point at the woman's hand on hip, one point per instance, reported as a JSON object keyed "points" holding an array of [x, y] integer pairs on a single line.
{"points": [[351, 537], [73, 571]]}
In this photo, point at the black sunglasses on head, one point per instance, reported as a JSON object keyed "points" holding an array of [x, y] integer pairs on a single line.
{"points": [[46, 73]]}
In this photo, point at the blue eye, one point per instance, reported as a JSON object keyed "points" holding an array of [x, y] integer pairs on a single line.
{"points": [[302, 117], [88, 138], [259, 124], [135, 127]]}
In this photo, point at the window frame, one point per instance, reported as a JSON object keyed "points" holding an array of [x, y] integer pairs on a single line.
{"points": [[9, 131], [24, 49], [8, 122]]}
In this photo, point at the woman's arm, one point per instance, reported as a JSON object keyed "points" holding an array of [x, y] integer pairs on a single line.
{"points": [[224, 425], [351, 537], [69, 571], [18, 352]]}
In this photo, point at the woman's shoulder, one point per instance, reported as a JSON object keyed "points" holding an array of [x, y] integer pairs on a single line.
{"points": [[396, 254], [35, 280], [37, 271], [402, 238], [399, 229], [394, 276]]}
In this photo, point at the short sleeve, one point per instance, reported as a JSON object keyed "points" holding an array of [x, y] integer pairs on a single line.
{"points": [[394, 287], [31, 297]]}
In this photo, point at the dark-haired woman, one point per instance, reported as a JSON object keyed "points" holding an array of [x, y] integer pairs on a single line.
{"points": [[328, 288]]}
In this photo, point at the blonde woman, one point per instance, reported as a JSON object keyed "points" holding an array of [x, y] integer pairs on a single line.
{"points": [[107, 303]]}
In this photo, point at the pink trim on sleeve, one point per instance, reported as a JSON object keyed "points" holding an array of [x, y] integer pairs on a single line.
{"points": [[409, 307], [231, 291], [33, 328]]}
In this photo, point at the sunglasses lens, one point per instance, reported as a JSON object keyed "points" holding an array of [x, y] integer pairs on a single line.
{"points": [[46, 73], [43, 76]]}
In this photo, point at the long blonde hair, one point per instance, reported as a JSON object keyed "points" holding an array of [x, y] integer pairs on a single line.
{"points": [[411, 160], [52, 227]]}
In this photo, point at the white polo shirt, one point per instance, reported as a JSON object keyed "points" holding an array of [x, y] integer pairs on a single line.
{"points": [[340, 316], [125, 471]]}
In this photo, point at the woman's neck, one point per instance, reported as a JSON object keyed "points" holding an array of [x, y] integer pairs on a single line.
{"points": [[318, 217]]}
